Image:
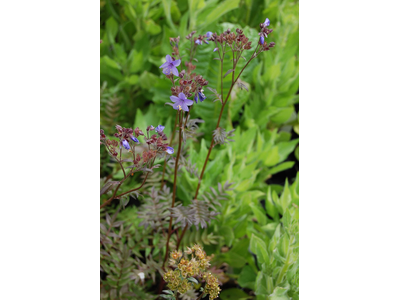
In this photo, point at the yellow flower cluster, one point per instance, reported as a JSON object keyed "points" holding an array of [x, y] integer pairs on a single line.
{"points": [[212, 287], [186, 268]]}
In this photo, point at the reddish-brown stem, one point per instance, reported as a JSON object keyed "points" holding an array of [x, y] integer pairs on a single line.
{"points": [[113, 196], [170, 143], [180, 238], [219, 120], [174, 187]]}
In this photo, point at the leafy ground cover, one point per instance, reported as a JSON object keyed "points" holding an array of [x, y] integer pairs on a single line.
{"points": [[252, 182]]}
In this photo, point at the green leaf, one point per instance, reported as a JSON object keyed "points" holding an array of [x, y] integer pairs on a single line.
{"points": [[133, 79], [261, 285], [271, 157], [111, 29], [227, 233], [279, 294], [286, 197], [151, 27], [247, 278], [260, 215], [234, 294], [136, 62], [220, 10], [258, 247], [281, 167], [111, 63], [192, 279]]}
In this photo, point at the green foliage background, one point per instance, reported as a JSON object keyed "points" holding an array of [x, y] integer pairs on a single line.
{"points": [[259, 223]]}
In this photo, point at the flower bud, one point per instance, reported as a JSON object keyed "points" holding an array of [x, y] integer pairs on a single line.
{"points": [[126, 145]]}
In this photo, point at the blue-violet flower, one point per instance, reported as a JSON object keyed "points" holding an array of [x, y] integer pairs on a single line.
{"points": [[202, 97], [266, 23], [181, 102], [159, 129], [126, 144], [170, 150], [133, 138], [170, 66], [262, 40]]}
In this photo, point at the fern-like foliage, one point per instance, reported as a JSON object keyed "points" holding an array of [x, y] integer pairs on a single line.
{"points": [[198, 212], [109, 107], [221, 136], [191, 129], [200, 236], [184, 162], [154, 211], [215, 197], [182, 215], [123, 276]]}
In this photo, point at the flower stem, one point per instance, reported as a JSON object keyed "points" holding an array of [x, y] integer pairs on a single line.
{"points": [[170, 143], [174, 187], [113, 196], [220, 116]]}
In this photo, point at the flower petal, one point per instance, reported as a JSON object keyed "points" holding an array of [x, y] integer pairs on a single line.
{"points": [[170, 150], [175, 71], [176, 104], [164, 65], [188, 102], [176, 62], [168, 58], [174, 98], [182, 96], [167, 70], [184, 107]]}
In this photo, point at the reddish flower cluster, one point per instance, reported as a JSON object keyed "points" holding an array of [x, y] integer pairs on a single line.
{"points": [[174, 43], [240, 40], [112, 147], [189, 84]]}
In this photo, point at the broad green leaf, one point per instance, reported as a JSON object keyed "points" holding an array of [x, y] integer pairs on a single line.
{"points": [[227, 233], [234, 294], [220, 10], [247, 278], [111, 29], [258, 247]]}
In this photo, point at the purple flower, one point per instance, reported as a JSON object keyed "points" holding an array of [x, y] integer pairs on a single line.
{"points": [[209, 34], [261, 39], [170, 66], [159, 129], [215, 49], [199, 96], [134, 139], [198, 42], [170, 150], [202, 97], [266, 23], [126, 144], [181, 102]]}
